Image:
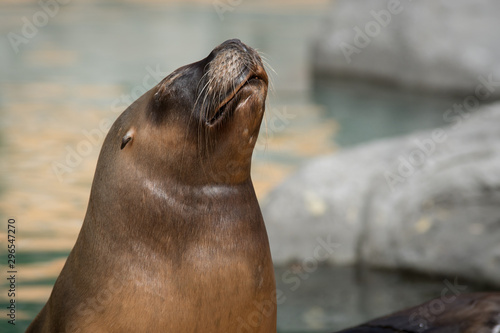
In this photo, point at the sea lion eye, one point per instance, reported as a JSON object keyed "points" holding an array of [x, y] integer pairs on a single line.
{"points": [[127, 138]]}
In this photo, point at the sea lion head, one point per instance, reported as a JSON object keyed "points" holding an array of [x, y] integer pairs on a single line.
{"points": [[200, 123]]}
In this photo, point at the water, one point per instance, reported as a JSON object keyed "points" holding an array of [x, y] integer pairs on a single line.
{"points": [[90, 60], [366, 111]]}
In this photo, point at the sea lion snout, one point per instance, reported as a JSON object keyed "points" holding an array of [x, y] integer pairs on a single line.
{"points": [[237, 60], [231, 66], [216, 105], [208, 89]]}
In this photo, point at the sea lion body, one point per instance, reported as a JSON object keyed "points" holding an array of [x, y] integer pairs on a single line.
{"points": [[173, 239]]}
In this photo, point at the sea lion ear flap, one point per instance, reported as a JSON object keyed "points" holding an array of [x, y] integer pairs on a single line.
{"points": [[127, 138]]}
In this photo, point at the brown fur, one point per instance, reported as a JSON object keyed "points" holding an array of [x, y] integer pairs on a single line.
{"points": [[173, 239]]}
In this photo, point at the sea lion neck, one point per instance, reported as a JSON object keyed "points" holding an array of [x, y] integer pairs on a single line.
{"points": [[173, 192]]}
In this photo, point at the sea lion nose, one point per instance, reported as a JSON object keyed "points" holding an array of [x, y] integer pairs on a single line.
{"points": [[236, 42], [243, 46]]}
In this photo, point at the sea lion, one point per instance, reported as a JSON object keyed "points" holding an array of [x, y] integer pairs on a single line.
{"points": [[173, 239], [463, 313]]}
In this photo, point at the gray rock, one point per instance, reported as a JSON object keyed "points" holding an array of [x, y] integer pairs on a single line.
{"points": [[447, 45], [428, 202]]}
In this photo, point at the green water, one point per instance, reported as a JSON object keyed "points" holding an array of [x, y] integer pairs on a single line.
{"points": [[366, 111]]}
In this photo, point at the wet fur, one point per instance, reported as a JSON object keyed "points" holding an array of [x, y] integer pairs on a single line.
{"points": [[173, 239]]}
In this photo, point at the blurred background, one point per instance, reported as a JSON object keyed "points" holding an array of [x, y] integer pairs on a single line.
{"points": [[381, 141]]}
